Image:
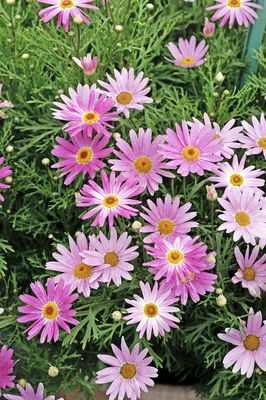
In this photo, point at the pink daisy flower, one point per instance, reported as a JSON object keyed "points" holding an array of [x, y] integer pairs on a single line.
{"points": [[240, 11], [230, 136], [193, 285], [188, 54], [86, 110], [153, 311], [129, 372], [193, 151], [88, 64], [111, 256], [141, 162], [245, 215], [250, 344], [81, 154], [65, 9], [4, 172], [48, 310], [176, 259], [4, 104], [236, 178], [127, 91], [255, 138], [29, 394], [114, 198], [167, 219], [252, 272], [75, 272], [6, 368]]}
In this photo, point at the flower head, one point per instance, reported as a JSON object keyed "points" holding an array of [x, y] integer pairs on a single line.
{"points": [[48, 310], [127, 91], [4, 172], [244, 214], [167, 219], [73, 270], [114, 198], [193, 151], [81, 154], [65, 9], [250, 344], [111, 257], [209, 28], [241, 11], [6, 368], [252, 272], [29, 394], [153, 312], [129, 372], [86, 110], [141, 162], [188, 54], [4, 104], [255, 138], [88, 64]]}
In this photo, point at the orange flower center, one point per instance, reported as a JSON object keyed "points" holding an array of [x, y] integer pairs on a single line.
{"points": [[151, 310], [111, 258], [143, 165], [110, 201], [236, 180], [191, 153], [84, 155], [50, 310], [188, 60], [128, 370], [242, 218], [90, 117], [82, 271], [166, 226], [262, 143], [249, 274], [124, 98], [67, 4], [234, 3], [251, 343], [175, 256]]}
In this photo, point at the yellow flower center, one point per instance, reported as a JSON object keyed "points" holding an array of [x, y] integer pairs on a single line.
{"points": [[191, 153], [128, 370], [166, 227], [82, 271], [242, 218], [236, 180], [84, 155], [151, 310], [110, 201], [50, 310], [67, 4], [90, 117], [262, 143], [175, 256], [251, 343], [188, 60], [111, 258], [249, 274], [234, 3], [143, 165], [124, 98]]}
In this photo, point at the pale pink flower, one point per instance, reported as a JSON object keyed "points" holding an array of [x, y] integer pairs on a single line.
{"points": [[29, 394], [255, 138], [4, 172], [88, 64], [4, 104], [6, 368], [188, 54], [209, 28]]}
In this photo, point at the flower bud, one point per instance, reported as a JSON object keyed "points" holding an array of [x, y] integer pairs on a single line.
{"points": [[10, 148], [149, 6], [209, 29], [78, 20], [53, 371], [219, 291], [8, 179], [116, 135], [215, 94], [119, 28], [226, 92], [212, 195], [116, 315], [221, 300], [22, 382], [219, 78], [45, 162], [10, 2], [136, 225], [71, 34], [25, 56], [211, 257]]}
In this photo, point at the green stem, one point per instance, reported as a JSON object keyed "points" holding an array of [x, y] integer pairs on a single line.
{"points": [[78, 40], [212, 225], [111, 13], [184, 186], [13, 29]]}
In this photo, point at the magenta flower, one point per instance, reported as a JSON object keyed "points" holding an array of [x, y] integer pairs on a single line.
{"points": [[141, 162], [209, 28], [129, 372], [236, 178], [127, 91], [176, 259], [188, 54], [240, 11], [65, 9], [75, 272], [4, 172], [193, 151], [153, 311], [4, 104], [252, 272], [111, 257], [48, 310], [86, 110], [87, 64], [82, 154], [255, 138], [29, 394], [230, 136], [250, 342], [6, 368], [114, 198], [167, 219]]}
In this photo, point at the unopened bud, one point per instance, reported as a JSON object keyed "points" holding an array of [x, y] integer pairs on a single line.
{"points": [[53, 371], [149, 6], [212, 195], [119, 28], [116, 315], [221, 300], [9, 179], [10, 148], [226, 92], [22, 383], [219, 291], [219, 78], [78, 20], [136, 225], [25, 56], [45, 162], [116, 135]]}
